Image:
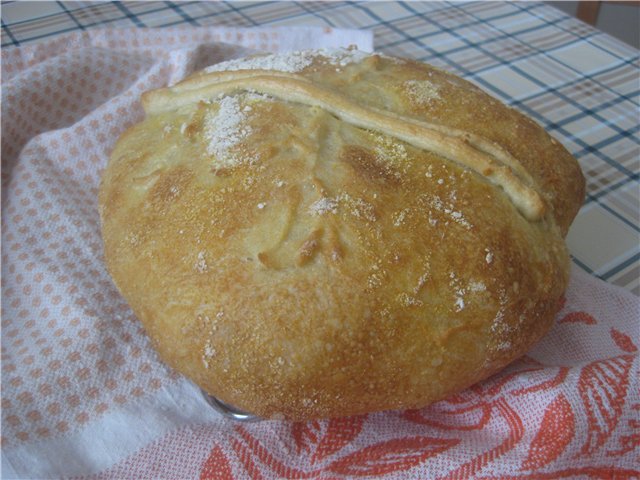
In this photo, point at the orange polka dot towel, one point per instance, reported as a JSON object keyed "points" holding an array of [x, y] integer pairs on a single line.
{"points": [[84, 394]]}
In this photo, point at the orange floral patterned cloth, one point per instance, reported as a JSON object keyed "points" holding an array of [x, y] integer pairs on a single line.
{"points": [[84, 395]]}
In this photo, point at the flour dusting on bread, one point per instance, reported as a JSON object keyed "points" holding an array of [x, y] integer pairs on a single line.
{"points": [[324, 205], [422, 92], [291, 62], [225, 128]]}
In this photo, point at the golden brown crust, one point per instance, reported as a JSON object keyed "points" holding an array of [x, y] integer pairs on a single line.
{"points": [[457, 146], [298, 266]]}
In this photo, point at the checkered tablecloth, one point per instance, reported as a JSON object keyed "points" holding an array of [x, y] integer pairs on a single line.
{"points": [[581, 84]]}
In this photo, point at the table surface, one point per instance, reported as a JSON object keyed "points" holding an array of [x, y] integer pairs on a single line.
{"points": [[581, 84]]}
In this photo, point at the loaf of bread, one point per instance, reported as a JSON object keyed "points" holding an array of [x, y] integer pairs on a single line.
{"points": [[328, 233]]}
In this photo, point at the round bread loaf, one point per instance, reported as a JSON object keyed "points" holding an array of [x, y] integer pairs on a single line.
{"points": [[328, 233]]}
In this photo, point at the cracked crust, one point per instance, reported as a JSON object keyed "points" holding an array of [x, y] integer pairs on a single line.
{"points": [[322, 268]]}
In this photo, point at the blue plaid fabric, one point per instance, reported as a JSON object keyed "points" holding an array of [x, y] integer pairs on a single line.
{"points": [[581, 84]]}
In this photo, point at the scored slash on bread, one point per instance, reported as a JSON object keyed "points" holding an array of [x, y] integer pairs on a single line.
{"points": [[465, 148]]}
